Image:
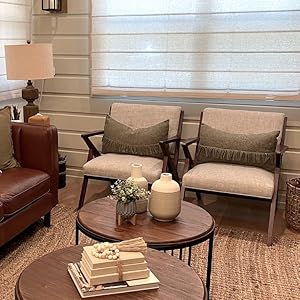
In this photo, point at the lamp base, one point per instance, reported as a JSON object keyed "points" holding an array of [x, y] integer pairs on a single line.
{"points": [[29, 110], [30, 94]]}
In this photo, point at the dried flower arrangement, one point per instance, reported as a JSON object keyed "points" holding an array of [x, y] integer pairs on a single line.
{"points": [[128, 191]]}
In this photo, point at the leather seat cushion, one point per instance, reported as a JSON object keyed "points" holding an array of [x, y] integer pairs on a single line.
{"points": [[21, 186], [230, 179], [113, 165]]}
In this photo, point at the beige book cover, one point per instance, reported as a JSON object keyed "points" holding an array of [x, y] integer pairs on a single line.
{"points": [[114, 277], [125, 258], [114, 269]]}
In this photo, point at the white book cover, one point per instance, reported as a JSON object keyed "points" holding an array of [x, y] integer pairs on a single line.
{"points": [[86, 291]]}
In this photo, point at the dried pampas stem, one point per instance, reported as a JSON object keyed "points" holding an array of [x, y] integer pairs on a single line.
{"points": [[133, 245]]}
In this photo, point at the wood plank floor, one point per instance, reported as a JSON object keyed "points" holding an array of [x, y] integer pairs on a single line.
{"points": [[242, 213]]}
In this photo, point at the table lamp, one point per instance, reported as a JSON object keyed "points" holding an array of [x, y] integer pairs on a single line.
{"points": [[29, 62]]}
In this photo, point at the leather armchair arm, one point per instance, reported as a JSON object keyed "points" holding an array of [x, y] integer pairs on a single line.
{"points": [[93, 151], [1, 211], [36, 147]]}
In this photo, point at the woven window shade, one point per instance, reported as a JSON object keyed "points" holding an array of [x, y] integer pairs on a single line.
{"points": [[15, 24], [188, 46]]}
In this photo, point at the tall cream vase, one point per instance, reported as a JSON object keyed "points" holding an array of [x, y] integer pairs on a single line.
{"points": [[137, 178], [165, 203]]}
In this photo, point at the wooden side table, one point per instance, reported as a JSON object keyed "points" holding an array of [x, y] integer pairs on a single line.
{"points": [[47, 278], [194, 225]]}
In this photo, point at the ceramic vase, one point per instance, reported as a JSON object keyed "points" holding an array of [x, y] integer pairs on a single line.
{"points": [[126, 210], [165, 203], [137, 177]]}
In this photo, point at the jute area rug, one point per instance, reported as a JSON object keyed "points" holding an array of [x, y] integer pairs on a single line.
{"points": [[243, 266]]}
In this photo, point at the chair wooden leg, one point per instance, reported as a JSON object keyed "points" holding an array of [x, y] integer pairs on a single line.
{"points": [[83, 191], [182, 193], [47, 219], [199, 198], [271, 219]]}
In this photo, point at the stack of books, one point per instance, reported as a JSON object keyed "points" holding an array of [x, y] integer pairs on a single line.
{"points": [[95, 276]]}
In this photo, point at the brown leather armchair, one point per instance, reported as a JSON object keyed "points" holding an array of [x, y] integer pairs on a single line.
{"points": [[31, 191]]}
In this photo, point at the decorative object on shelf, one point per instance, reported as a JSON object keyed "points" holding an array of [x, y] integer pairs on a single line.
{"points": [[106, 268], [165, 203], [29, 62], [15, 113], [292, 208], [39, 119], [55, 6], [111, 251], [106, 250], [126, 193], [137, 177], [107, 262]]}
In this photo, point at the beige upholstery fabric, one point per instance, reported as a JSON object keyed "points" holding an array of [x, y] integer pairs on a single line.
{"points": [[112, 165], [243, 121], [141, 115], [231, 179]]}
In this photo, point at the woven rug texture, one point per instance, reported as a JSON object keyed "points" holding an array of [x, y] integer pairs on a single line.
{"points": [[243, 266]]}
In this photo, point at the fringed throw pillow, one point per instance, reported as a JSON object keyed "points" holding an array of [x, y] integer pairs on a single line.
{"points": [[7, 159], [122, 139], [246, 149]]}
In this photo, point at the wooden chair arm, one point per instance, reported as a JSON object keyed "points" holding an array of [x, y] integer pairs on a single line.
{"points": [[187, 142], [280, 149], [170, 140], [93, 133], [168, 160], [185, 147], [92, 148]]}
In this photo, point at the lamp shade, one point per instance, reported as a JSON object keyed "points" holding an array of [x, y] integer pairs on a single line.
{"points": [[29, 62]]}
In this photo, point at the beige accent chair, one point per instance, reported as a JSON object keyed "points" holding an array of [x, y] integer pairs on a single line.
{"points": [[234, 179], [112, 166]]}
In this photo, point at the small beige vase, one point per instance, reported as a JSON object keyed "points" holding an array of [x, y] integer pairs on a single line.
{"points": [[165, 203], [137, 177]]}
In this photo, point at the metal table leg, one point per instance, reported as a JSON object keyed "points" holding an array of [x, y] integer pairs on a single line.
{"points": [[180, 253], [76, 235], [190, 256], [209, 261]]}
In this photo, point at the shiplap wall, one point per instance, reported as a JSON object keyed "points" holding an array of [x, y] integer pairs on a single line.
{"points": [[67, 98]]}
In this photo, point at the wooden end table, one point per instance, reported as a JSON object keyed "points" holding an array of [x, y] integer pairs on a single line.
{"points": [[47, 278], [194, 225]]}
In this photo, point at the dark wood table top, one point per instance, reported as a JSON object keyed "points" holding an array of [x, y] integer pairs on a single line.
{"points": [[97, 219], [47, 278]]}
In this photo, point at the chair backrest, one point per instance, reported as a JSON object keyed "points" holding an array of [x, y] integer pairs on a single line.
{"points": [[243, 121], [142, 115]]}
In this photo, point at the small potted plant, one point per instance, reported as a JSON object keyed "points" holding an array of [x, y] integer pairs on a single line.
{"points": [[126, 193], [16, 113]]}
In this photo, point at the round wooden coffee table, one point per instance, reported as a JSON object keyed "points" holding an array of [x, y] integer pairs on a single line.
{"points": [[194, 225], [47, 278]]}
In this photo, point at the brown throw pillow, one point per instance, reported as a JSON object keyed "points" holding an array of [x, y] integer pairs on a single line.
{"points": [[120, 138], [246, 149], [7, 159]]}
